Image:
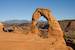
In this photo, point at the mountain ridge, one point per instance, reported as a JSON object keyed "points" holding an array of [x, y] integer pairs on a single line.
{"points": [[20, 21]]}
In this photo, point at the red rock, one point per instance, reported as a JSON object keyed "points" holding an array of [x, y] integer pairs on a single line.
{"points": [[54, 27], [1, 26]]}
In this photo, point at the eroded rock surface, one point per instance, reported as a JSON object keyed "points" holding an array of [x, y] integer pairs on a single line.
{"points": [[1, 26], [54, 27], [55, 33]]}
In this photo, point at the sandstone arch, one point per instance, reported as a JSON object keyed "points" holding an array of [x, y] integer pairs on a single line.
{"points": [[54, 27]]}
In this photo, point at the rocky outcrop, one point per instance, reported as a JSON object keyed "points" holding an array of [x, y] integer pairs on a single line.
{"points": [[67, 25], [23, 30], [54, 27], [1, 26]]}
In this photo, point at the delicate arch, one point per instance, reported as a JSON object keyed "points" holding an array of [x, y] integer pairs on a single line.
{"points": [[54, 27]]}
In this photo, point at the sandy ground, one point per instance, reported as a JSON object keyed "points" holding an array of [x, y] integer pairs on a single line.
{"points": [[14, 41]]}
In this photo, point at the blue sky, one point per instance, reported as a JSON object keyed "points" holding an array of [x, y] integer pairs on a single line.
{"points": [[24, 9]]}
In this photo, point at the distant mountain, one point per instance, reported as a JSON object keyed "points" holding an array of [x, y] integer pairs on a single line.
{"points": [[21, 21], [41, 21], [16, 21]]}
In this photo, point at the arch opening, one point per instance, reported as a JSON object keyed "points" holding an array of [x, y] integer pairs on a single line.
{"points": [[42, 26]]}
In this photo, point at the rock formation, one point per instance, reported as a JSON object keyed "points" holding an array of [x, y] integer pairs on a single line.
{"points": [[23, 30], [67, 25], [1, 26], [55, 33], [54, 27]]}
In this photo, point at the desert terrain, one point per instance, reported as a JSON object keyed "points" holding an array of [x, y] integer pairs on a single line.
{"points": [[38, 36], [68, 30]]}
